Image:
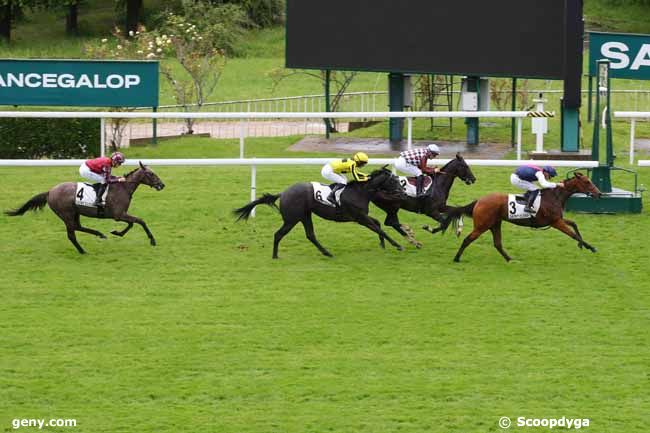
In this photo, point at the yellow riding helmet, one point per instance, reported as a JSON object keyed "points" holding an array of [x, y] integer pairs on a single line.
{"points": [[360, 158]]}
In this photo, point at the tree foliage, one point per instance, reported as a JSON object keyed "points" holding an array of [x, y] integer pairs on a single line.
{"points": [[199, 38], [262, 13]]}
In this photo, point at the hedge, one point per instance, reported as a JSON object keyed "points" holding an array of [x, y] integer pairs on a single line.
{"points": [[49, 138]]}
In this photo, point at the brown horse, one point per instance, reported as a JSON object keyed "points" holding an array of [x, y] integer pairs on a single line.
{"points": [[61, 200], [489, 211]]}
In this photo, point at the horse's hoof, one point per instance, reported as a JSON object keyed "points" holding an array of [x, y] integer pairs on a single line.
{"points": [[400, 248], [594, 250], [116, 233], [153, 242], [418, 245], [456, 259], [427, 228]]}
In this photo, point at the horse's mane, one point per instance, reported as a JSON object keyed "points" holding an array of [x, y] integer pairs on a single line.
{"points": [[132, 171], [450, 161]]}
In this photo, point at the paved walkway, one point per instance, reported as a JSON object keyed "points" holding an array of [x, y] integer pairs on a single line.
{"points": [[448, 149], [230, 129]]}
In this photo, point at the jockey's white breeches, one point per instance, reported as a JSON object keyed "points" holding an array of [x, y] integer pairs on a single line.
{"points": [[403, 166], [85, 172], [328, 173], [522, 184]]}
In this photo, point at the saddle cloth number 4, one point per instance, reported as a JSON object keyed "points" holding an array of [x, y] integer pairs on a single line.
{"points": [[85, 195]]}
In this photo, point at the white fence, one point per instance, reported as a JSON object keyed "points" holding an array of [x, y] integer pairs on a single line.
{"points": [[633, 116], [243, 117], [626, 99], [254, 162]]}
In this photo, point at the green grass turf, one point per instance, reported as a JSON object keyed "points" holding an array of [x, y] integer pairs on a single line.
{"points": [[205, 333]]}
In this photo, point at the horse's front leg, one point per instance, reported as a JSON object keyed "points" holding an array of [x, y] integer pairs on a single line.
{"points": [[581, 241], [130, 219], [562, 226], [374, 225]]}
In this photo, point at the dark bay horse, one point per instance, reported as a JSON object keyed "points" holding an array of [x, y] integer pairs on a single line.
{"points": [[431, 205], [61, 200], [297, 204], [489, 211]]}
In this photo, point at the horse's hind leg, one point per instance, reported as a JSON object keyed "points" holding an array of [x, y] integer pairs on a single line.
{"points": [[123, 232], [71, 220], [496, 237], [282, 232], [309, 232], [70, 227], [87, 230], [468, 240]]}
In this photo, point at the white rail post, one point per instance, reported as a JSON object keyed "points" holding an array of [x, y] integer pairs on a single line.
{"points": [[102, 137], [632, 131], [253, 185], [518, 138], [241, 138], [409, 141]]}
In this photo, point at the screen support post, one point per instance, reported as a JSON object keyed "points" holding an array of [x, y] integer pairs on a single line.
{"points": [[396, 103]]}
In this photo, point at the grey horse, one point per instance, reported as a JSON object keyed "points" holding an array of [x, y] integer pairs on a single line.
{"points": [[61, 200]]}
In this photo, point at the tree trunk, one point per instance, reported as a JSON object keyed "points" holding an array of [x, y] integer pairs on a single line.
{"points": [[133, 9], [5, 21], [71, 21]]}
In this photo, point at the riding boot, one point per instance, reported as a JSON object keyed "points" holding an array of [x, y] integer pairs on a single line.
{"points": [[331, 197], [419, 186], [530, 201], [100, 193]]}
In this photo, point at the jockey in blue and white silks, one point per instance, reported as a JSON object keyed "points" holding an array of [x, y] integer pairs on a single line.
{"points": [[525, 175]]}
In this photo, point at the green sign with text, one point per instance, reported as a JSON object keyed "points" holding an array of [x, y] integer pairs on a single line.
{"points": [[629, 54], [93, 83]]}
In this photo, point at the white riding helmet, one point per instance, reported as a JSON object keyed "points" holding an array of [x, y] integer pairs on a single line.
{"points": [[434, 149]]}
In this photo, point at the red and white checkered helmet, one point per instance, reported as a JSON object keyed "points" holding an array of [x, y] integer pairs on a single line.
{"points": [[118, 158]]}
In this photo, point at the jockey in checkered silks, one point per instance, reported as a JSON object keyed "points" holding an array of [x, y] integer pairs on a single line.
{"points": [[414, 163]]}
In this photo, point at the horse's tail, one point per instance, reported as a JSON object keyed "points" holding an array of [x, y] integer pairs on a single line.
{"points": [[35, 203], [454, 214], [245, 211]]}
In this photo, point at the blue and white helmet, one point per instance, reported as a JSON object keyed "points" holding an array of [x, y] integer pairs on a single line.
{"points": [[433, 149], [550, 170]]}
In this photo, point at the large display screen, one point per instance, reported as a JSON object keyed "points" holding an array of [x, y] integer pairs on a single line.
{"points": [[509, 38]]}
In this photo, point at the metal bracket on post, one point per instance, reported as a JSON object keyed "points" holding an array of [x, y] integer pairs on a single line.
{"points": [[154, 135], [519, 128], [409, 142], [253, 185], [102, 137], [632, 130], [241, 138]]}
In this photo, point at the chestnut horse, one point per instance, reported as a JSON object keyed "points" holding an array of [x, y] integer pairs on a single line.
{"points": [[489, 211]]}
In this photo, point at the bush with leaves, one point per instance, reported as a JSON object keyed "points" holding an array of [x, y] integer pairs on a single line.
{"points": [[49, 138]]}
